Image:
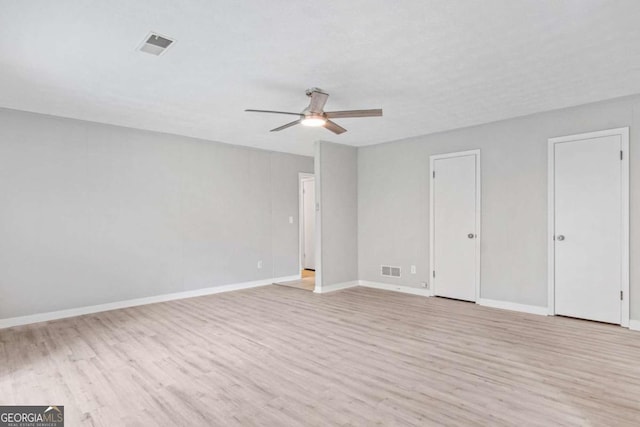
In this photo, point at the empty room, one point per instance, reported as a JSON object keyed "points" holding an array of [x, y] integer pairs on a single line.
{"points": [[302, 213]]}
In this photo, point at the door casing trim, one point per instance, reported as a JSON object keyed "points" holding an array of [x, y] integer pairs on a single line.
{"points": [[302, 176]]}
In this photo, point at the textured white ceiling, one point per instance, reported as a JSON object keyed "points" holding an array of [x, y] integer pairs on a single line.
{"points": [[432, 65]]}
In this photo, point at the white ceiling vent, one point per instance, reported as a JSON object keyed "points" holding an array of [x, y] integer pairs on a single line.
{"points": [[389, 271], [155, 44]]}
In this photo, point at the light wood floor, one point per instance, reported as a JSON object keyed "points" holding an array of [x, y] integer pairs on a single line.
{"points": [[275, 356], [307, 281]]}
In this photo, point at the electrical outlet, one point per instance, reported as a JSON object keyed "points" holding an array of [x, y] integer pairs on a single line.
{"points": [[425, 285], [259, 264], [290, 220], [413, 269]]}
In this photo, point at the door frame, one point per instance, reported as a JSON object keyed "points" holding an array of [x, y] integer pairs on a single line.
{"points": [[624, 139], [478, 212], [302, 176]]}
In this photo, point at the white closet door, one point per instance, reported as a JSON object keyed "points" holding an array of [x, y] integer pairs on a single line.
{"points": [[309, 225], [454, 210], [588, 228]]}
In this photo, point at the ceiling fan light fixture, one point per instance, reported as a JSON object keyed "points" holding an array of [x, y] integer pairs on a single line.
{"points": [[315, 116], [313, 121]]}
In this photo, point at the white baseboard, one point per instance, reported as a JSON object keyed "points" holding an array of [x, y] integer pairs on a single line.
{"points": [[506, 305], [634, 325], [287, 278], [335, 287], [79, 311], [396, 288]]}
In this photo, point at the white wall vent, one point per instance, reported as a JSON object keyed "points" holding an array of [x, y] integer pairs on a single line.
{"points": [[155, 44], [389, 271]]}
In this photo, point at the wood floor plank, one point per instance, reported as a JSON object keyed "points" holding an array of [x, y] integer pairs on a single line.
{"points": [[275, 356]]}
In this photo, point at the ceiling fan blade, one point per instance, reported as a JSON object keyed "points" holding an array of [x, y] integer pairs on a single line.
{"points": [[334, 127], [275, 112], [318, 99], [288, 125], [354, 113]]}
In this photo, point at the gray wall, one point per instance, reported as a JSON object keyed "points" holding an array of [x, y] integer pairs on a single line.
{"points": [[337, 194], [393, 199], [91, 214]]}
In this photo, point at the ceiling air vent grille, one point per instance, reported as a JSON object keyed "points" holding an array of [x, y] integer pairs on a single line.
{"points": [[155, 44], [389, 271]]}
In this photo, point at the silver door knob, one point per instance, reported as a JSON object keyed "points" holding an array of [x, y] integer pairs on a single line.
{"points": [[560, 238], [471, 235]]}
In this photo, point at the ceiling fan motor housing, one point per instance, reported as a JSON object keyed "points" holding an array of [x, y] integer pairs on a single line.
{"points": [[309, 92]]}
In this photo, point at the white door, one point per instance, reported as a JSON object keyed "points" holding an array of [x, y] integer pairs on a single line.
{"points": [[309, 224], [588, 228], [455, 228]]}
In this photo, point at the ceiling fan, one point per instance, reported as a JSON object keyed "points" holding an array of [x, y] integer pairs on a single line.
{"points": [[314, 114]]}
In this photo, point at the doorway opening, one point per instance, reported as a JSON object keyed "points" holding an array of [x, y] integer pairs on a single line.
{"points": [[307, 233]]}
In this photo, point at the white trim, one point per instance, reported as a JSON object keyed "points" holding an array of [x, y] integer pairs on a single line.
{"points": [[625, 311], [79, 311], [302, 176], [318, 180], [285, 278], [506, 305], [551, 251], [432, 160], [396, 288], [624, 286], [335, 287], [634, 325]]}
